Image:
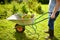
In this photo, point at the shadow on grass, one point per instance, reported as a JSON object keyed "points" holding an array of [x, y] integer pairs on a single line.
{"points": [[21, 36], [52, 39], [55, 38]]}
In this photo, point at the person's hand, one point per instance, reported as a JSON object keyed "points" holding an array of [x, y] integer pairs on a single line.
{"points": [[53, 16]]}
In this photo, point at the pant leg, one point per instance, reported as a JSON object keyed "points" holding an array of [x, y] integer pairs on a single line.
{"points": [[51, 21]]}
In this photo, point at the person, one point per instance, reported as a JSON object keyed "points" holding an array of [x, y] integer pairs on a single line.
{"points": [[54, 8]]}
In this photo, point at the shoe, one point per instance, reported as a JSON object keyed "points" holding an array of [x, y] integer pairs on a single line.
{"points": [[51, 34]]}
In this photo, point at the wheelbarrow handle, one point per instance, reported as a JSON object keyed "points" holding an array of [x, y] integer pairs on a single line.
{"points": [[40, 20], [41, 15]]}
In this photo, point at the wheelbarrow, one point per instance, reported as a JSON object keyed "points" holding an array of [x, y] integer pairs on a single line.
{"points": [[20, 23]]}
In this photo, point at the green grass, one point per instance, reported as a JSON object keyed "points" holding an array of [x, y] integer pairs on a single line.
{"points": [[7, 31]]}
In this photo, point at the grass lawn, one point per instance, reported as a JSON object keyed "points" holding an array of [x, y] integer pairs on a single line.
{"points": [[7, 31]]}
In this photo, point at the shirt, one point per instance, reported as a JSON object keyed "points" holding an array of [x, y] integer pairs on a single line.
{"points": [[52, 5]]}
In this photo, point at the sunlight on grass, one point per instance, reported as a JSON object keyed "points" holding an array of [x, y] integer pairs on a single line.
{"points": [[7, 31], [44, 7]]}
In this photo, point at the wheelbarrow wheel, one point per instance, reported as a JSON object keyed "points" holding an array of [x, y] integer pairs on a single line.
{"points": [[19, 28]]}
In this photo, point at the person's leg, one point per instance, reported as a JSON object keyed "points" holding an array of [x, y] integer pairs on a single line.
{"points": [[51, 25], [51, 21]]}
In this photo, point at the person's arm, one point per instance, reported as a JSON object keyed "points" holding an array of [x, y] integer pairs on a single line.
{"points": [[55, 8]]}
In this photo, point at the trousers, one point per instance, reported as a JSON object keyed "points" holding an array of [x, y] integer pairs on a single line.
{"points": [[51, 21]]}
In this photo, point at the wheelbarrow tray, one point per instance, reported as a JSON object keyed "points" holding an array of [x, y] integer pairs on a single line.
{"points": [[15, 18]]}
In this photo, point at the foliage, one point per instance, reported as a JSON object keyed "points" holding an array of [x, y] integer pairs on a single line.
{"points": [[44, 1], [14, 9], [5, 1], [24, 7], [8, 32], [34, 6], [39, 9]]}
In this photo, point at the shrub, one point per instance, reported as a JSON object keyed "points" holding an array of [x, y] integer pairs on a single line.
{"points": [[39, 9], [24, 7]]}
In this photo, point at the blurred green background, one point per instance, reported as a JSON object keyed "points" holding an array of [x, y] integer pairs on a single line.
{"points": [[38, 7]]}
